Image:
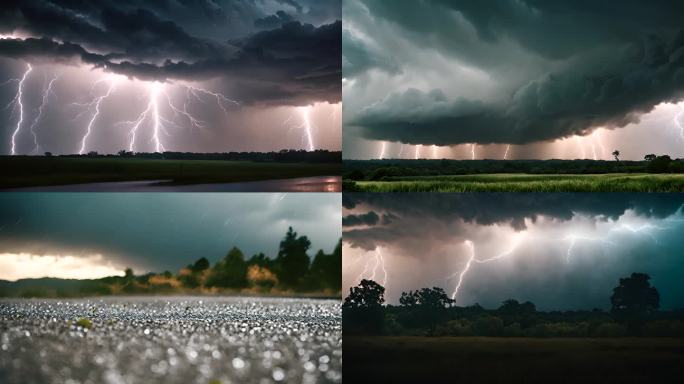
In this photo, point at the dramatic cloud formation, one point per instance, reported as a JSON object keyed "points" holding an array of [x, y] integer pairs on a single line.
{"points": [[506, 72], [264, 54], [558, 250], [156, 232]]}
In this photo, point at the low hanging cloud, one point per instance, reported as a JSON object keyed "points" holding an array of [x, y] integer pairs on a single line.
{"points": [[552, 69], [370, 218], [411, 217]]}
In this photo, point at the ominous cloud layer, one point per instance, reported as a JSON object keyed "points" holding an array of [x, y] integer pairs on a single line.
{"points": [[512, 72], [559, 250], [197, 76], [163, 231], [152, 42]]}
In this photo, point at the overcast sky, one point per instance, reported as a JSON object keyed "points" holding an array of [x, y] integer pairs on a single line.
{"points": [[202, 76], [550, 78], [558, 250], [156, 231]]}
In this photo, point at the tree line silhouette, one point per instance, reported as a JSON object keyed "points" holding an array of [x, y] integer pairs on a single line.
{"points": [[430, 311], [291, 270], [376, 170], [282, 156]]}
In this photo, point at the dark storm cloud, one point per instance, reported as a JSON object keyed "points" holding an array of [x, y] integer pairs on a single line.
{"points": [[591, 64], [369, 218], [163, 231], [273, 21], [437, 214], [292, 62]]}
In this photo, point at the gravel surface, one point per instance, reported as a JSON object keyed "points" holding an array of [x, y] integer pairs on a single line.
{"points": [[170, 340]]}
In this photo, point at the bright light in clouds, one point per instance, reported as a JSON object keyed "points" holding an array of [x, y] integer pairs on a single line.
{"points": [[660, 131], [460, 261], [14, 266]]}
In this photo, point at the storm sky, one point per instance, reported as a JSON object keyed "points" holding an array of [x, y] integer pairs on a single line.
{"points": [[202, 76], [558, 250], [153, 231], [512, 79]]}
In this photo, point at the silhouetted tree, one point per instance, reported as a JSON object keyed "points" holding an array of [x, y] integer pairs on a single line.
{"points": [[362, 310], [428, 306], [616, 154], [200, 265], [650, 157], [128, 274], [635, 295], [48, 154], [659, 165], [513, 307], [231, 272], [292, 260]]}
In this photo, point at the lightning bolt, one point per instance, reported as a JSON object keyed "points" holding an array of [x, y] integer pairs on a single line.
{"points": [[679, 125], [506, 153], [465, 270], [18, 102], [221, 99], [46, 95], [573, 240], [156, 118], [417, 151], [434, 151], [379, 264], [472, 152], [307, 125], [96, 102], [383, 147]]}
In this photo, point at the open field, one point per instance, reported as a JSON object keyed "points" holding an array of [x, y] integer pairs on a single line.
{"points": [[170, 340], [408, 359], [25, 171], [614, 182]]}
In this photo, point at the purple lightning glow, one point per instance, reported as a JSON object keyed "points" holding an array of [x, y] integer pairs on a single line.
{"points": [[18, 102], [43, 104]]}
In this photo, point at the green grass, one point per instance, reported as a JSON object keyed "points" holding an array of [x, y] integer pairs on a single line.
{"points": [[408, 359], [613, 182], [24, 171]]}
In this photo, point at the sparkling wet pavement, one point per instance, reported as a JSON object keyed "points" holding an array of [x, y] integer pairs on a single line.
{"points": [[171, 340]]}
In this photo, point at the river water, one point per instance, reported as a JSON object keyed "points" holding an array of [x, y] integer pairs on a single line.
{"points": [[300, 184]]}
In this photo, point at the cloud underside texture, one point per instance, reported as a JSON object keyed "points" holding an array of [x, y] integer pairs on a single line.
{"points": [[293, 63], [592, 64], [416, 218]]}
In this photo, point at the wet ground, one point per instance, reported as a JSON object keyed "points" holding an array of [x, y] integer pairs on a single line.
{"points": [[170, 340], [299, 184]]}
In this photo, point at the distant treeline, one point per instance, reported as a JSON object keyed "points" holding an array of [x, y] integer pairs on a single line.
{"points": [[282, 156], [378, 170], [291, 271], [430, 312]]}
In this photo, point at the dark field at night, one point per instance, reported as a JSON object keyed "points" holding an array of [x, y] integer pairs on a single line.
{"points": [[407, 359]]}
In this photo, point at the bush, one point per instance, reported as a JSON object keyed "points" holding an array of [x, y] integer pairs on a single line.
{"points": [[488, 326], [610, 330]]}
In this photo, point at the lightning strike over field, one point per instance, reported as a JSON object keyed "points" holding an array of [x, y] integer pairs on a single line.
{"points": [[18, 103], [43, 104], [96, 103], [678, 124], [506, 152], [465, 270], [472, 152], [417, 151], [383, 147]]}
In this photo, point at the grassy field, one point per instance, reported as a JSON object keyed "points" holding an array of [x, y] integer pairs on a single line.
{"points": [[613, 182], [408, 359], [24, 171]]}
